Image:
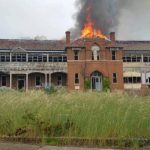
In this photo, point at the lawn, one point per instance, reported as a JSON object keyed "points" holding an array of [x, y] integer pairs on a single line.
{"points": [[93, 115]]}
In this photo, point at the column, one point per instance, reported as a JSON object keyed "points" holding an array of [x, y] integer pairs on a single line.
{"points": [[10, 80], [27, 57], [50, 80], [45, 79], [10, 57], [142, 57], [27, 82], [47, 57]]}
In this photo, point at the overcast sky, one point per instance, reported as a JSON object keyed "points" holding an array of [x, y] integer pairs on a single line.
{"points": [[29, 18], [51, 18]]}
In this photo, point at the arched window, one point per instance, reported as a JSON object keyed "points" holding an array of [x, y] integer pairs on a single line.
{"points": [[95, 52]]}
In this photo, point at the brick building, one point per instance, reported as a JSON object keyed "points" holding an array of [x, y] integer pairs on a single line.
{"points": [[34, 64]]}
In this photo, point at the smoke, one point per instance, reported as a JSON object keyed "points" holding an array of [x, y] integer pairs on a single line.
{"points": [[104, 14], [128, 18]]}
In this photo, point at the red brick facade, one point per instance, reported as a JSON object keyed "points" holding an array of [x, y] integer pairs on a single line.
{"points": [[85, 66]]}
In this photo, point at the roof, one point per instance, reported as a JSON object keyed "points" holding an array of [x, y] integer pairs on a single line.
{"points": [[33, 44], [135, 45], [82, 42]]}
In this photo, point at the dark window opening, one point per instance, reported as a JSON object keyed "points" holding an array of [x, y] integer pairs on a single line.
{"points": [[38, 81], [131, 80], [59, 80], [114, 78], [64, 59], [76, 55], [113, 55], [19, 58], [77, 80], [4, 81]]}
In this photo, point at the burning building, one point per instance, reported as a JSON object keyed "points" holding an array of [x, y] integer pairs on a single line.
{"points": [[33, 64]]}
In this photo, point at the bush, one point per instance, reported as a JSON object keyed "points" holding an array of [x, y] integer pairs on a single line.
{"points": [[106, 84], [50, 90], [87, 84]]}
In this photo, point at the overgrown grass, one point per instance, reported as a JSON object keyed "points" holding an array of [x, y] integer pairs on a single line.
{"points": [[86, 115]]}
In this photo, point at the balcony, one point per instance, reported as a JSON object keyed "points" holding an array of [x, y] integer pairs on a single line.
{"points": [[32, 66]]}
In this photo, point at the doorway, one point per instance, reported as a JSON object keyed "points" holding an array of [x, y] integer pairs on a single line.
{"points": [[96, 81], [21, 82]]}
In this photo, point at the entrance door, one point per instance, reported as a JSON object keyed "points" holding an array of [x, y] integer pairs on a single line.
{"points": [[21, 83], [97, 81]]}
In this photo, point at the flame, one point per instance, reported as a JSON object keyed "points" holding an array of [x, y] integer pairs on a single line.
{"points": [[88, 31]]}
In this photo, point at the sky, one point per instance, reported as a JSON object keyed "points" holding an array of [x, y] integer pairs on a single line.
{"points": [[30, 18], [51, 18]]}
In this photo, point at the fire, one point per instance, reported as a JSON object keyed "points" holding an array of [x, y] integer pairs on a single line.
{"points": [[88, 31]]}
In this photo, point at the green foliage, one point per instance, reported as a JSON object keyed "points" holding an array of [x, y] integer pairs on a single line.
{"points": [[94, 115], [106, 84], [50, 90], [87, 83]]}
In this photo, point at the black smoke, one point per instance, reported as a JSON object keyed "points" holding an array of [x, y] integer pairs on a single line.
{"points": [[104, 14]]}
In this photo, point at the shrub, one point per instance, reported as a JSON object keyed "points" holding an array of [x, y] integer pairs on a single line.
{"points": [[50, 89], [106, 84], [87, 83]]}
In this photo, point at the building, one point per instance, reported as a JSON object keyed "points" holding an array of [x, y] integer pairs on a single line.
{"points": [[34, 64]]}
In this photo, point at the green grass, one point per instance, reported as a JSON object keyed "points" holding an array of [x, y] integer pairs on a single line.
{"points": [[86, 115]]}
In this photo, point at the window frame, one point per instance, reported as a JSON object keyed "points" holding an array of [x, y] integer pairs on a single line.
{"points": [[40, 81], [77, 79], [132, 80], [76, 54], [114, 78], [113, 53]]}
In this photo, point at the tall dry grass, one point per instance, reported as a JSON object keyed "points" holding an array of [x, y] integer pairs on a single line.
{"points": [[88, 115]]}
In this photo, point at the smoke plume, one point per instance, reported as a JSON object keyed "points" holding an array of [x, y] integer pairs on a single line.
{"points": [[104, 14]]}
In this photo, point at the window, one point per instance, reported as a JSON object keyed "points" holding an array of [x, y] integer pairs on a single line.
{"points": [[3, 81], [114, 78], [132, 58], [59, 80], [60, 59], [37, 57], [77, 80], [64, 59], [146, 58], [113, 55], [57, 59], [76, 55], [92, 55], [18, 57], [38, 81], [132, 80], [4, 57], [95, 55]]}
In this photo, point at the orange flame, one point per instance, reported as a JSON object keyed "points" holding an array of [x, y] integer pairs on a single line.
{"points": [[88, 31]]}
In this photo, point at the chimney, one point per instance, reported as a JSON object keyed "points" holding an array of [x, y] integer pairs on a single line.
{"points": [[68, 37], [112, 36]]}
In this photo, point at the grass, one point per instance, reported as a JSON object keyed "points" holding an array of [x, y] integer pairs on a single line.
{"points": [[82, 115]]}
